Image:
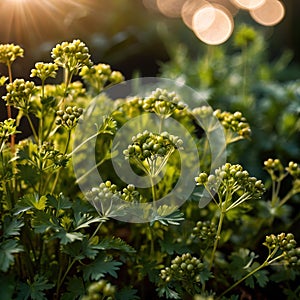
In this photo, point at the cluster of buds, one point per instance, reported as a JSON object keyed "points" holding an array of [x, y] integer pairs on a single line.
{"points": [[204, 230], [284, 241], [274, 167], [130, 194], [101, 290], [293, 169], [234, 122], [163, 103], [149, 145], [105, 191], [19, 94], [234, 180], [47, 151], [184, 268], [69, 117], [98, 76], [7, 128], [9, 53], [44, 70], [287, 244], [72, 56]]}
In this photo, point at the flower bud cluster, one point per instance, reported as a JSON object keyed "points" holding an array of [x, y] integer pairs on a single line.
{"points": [[71, 55], [286, 243], [163, 103], [232, 178], [47, 151], [44, 70], [105, 191], [7, 128], [19, 93], [108, 191], [101, 290], [183, 268], [99, 75], [69, 117], [151, 145], [234, 121], [273, 165], [130, 194], [293, 169], [9, 53], [204, 230]]}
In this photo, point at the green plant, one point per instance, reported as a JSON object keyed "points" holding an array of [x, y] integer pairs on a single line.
{"points": [[58, 242]]}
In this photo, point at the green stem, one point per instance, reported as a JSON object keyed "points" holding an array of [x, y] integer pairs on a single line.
{"points": [[58, 172], [218, 235], [291, 193], [32, 128], [266, 263], [61, 278], [41, 123], [9, 114]]}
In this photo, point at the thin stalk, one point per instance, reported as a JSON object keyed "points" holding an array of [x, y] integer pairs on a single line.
{"points": [[41, 123], [218, 235], [32, 128], [58, 172], [291, 193], [61, 278], [9, 114], [266, 263]]}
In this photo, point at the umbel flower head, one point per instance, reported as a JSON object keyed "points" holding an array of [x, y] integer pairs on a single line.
{"points": [[99, 75], [9, 53], [19, 94], [232, 184], [44, 70], [150, 151], [72, 56], [163, 103], [69, 117]]}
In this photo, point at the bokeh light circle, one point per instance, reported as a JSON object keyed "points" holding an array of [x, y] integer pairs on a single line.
{"points": [[189, 8], [85, 149], [268, 14], [248, 4], [170, 8], [213, 24]]}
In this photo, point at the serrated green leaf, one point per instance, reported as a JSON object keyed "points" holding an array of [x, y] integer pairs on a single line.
{"points": [[11, 227], [81, 249], [7, 250], [31, 201], [165, 291], [127, 293], [59, 203], [261, 277], [250, 282], [67, 237], [86, 220], [101, 266], [115, 243], [35, 290], [28, 173], [75, 289], [43, 222], [170, 246]]}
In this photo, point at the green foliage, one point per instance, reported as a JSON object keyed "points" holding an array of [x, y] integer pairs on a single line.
{"points": [[54, 244]]}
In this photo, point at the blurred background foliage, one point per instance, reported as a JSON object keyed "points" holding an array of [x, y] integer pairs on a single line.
{"points": [[258, 77], [123, 33]]}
